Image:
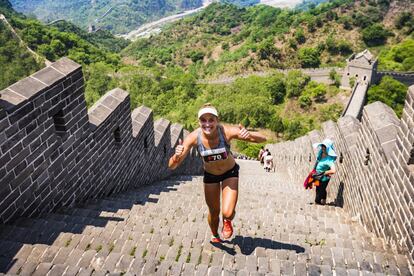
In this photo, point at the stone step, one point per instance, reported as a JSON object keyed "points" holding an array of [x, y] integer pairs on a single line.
{"points": [[162, 229]]}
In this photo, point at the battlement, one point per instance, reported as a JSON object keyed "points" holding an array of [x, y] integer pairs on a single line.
{"points": [[375, 168], [405, 77], [54, 152]]}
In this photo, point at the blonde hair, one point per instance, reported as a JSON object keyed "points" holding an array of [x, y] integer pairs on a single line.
{"points": [[207, 105]]}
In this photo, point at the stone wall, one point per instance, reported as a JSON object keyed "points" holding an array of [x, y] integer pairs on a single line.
{"points": [[357, 101], [321, 75], [375, 169], [405, 77], [54, 152]]}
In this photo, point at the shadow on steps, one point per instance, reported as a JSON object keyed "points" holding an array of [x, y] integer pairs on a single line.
{"points": [[247, 245], [54, 229]]}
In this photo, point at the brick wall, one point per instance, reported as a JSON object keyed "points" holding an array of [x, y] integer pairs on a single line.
{"points": [[407, 78], [54, 152], [375, 169]]}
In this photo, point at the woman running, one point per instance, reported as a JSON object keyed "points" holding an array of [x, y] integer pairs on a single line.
{"points": [[212, 141]]}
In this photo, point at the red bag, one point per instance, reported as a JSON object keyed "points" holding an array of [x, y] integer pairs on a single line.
{"points": [[310, 181]]}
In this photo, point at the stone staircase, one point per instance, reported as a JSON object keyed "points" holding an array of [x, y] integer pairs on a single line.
{"points": [[162, 230]]}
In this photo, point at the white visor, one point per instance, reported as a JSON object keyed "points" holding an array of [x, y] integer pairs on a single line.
{"points": [[207, 110]]}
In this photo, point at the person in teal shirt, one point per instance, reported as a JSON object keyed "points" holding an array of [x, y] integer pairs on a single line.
{"points": [[325, 165]]}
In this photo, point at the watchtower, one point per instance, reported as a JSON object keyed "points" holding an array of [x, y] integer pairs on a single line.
{"points": [[362, 67]]}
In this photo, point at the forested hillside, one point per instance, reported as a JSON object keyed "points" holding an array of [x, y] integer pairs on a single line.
{"points": [[230, 40], [16, 62], [121, 17], [51, 42], [165, 71]]}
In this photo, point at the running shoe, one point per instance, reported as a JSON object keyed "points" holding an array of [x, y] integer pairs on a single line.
{"points": [[227, 229], [215, 239]]}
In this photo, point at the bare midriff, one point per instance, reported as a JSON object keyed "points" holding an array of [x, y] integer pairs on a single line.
{"points": [[220, 167], [217, 167]]}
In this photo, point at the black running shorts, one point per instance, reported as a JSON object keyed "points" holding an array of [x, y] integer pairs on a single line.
{"points": [[211, 178]]}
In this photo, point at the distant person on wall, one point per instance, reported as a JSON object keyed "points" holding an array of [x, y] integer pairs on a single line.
{"points": [[268, 162], [263, 156], [212, 140], [325, 160], [261, 151]]}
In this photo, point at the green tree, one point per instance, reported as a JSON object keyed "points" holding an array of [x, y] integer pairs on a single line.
{"points": [[331, 44], [331, 15], [305, 101], [276, 124], [293, 44], [331, 112], [375, 35], [389, 91], [196, 55], [225, 46], [404, 19], [295, 82], [98, 81], [275, 84], [309, 57], [267, 49], [398, 58], [15, 61], [294, 129], [315, 90], [408, 64], [346, 22], [311, 26], [300, 36]]}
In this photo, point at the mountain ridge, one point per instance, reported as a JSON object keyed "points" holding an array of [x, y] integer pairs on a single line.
{"points": [[163, 72], [117, 18], [230, 40]]}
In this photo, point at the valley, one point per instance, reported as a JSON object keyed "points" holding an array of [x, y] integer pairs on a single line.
{"points": [[222, 53], [155, 26]]}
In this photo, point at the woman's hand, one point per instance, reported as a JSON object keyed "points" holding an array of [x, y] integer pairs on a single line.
{"points": [[182, 149], [243, 133], [179, 149]]}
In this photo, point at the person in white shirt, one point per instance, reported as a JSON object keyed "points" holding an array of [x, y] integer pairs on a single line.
{"points": [[268, 162]]}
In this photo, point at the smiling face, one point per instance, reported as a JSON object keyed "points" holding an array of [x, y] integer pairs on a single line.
{"points": [[208, 123]]}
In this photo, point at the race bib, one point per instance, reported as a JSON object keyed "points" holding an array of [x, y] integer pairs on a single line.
{"points": [[214, 155]]}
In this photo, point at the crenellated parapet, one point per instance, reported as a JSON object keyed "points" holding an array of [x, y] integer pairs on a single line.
{"points": [[375, 169], [405, 77], [54, 152]]}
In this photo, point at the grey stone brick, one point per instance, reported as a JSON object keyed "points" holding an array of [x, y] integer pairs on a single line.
{"points": [[57, 270], [42, 269], [48, 75], [201, 270]]}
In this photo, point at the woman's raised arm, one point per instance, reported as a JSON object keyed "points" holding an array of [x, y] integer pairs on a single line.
{"points": [[241, 133], [182, 150]]}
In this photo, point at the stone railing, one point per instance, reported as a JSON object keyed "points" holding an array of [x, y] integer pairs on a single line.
{"points": [[357, 101], [54, 152]]}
